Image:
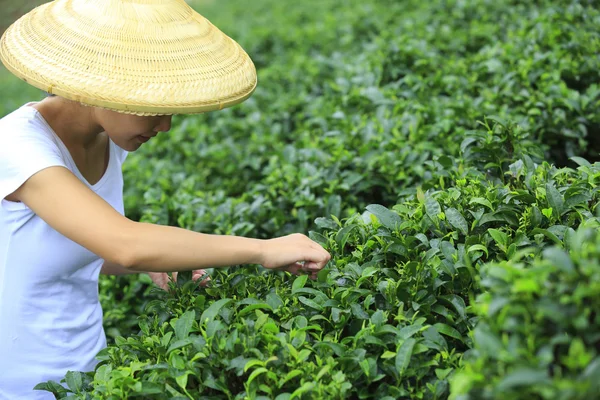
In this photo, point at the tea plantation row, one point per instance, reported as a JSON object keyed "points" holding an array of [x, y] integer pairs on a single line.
{"points": [[442, 151]]}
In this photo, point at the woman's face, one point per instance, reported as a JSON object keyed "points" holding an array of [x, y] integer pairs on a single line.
{"points": [[130, 131]]}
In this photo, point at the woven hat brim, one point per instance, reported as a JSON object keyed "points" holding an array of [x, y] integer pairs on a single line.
{"points": [[181, 64]]}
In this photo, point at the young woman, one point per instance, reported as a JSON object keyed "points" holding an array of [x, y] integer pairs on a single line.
{"points": [[120, 69]]}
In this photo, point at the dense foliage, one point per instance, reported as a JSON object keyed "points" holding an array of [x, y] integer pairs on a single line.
{"points": [[442, 151]]}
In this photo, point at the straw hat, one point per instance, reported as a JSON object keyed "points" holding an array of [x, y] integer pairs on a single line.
{"points": [[144, 57]]}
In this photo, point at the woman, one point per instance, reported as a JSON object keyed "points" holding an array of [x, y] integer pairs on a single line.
{"points": [[120, 69]]}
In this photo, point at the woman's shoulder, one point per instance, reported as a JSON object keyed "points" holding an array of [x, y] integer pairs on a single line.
{"points": [[23, 122]]}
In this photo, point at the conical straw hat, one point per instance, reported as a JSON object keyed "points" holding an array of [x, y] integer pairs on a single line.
{"points": [[144, 57]]}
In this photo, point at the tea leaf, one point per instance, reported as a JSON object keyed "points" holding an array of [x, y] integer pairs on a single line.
{"points": [[500, 238], [404, 355], [432, 207], [457, 220], [183, 325], [555, 199], [179, 344], [388, 218], [523, 377], [310, 303], [448, 331], [259, 306], [74, 381], [211, 312], [299, 283]]}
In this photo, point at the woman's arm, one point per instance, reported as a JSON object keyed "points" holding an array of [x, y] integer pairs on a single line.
{"points": [[75, 211], [109, 268]]}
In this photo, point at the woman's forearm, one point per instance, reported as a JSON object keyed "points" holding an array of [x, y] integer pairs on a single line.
{"points": [[109, 268], [157, 248]]}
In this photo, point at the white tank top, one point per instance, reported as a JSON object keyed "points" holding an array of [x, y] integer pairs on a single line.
{"points": [[50, 316]]}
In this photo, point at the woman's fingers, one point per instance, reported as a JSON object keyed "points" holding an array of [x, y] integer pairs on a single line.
{"points": [[301, 268], [162, 279], [199, 274]]}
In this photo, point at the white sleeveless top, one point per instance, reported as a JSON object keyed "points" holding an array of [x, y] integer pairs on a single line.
{"points": [[50, 316]]}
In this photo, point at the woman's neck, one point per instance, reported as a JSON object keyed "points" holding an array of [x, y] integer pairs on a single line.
{"points": [[74, 123]]}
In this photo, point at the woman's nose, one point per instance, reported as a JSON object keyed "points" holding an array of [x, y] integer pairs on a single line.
{"points": [[164, 124]]}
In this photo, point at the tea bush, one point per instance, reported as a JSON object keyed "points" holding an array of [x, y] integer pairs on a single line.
{"points": [[443, 152], [538, 333]]}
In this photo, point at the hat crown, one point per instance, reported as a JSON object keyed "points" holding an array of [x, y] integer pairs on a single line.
{"points": [[115, 12], [148, 19]]}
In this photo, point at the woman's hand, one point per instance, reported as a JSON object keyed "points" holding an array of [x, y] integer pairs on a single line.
{"points": [[294, 253], [161, 279]]}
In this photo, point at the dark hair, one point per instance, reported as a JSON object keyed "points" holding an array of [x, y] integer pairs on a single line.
{"points": [[50, 95]]}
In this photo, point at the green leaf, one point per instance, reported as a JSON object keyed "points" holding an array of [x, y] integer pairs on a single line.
{"points": [[248, 309], [290, 375], [378, 318], [74, 381], [483, 202], [560, 259], [53, 387], [486, 340], [523, 377], [581, 161], [326, 223], [310, 303], [555, 199], [174, 392], [211, 312], [343, 235], [445, 161], [274, 301], [183, 325], [548, 234], [179, 344], [166, 339], [432, 207], [448, 331], [103, 373], [306, 387], [388, 218], [443, 373], [358, 311], [466, 143], [317, 237], [592, 373], [404, 355], [477, 247], [457, 220], [458, 303], [500, 238], [255, 374], [182, 379], [497, 119], [409, 330], [299, 283], [150, 388]]}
